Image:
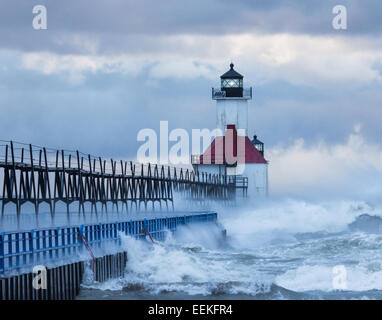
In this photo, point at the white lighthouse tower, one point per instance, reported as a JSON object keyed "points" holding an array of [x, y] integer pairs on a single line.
{"points": [[249, 165], [232, 101]]}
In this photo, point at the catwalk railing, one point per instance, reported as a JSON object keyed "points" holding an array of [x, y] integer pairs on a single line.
{"points": [[37, 175], [25, 249]]}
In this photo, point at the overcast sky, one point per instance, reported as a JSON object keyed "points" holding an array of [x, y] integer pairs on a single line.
{"points": [[103, 70]]}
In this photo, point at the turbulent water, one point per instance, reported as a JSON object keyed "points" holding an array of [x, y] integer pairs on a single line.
{"points": [[288, 250]]}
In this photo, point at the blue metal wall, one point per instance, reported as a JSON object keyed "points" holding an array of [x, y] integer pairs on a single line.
{"points": [[25, 249]]}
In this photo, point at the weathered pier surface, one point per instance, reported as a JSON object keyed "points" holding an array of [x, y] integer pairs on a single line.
{"points": [[63, 252], [37, 175]]}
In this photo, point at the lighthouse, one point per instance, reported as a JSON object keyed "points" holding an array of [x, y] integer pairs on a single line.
{"points": [[232, 152], [232, 101]]}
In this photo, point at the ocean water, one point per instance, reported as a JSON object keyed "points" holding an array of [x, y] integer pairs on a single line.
{"points": [[287, 249]]}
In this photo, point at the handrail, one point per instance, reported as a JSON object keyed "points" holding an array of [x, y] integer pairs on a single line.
{"points": [[24, 249], [32, 175]]}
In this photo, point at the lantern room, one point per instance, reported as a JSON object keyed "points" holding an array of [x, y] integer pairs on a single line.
{"points": [[258, 145], [232, 83]]}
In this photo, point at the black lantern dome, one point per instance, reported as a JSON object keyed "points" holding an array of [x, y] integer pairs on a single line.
{"points": [[258, 145], [232, 83]]}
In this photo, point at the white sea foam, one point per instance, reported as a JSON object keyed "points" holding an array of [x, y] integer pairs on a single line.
{"points": [[309, 278], [262, 250], [185, 264], [278, 221]]}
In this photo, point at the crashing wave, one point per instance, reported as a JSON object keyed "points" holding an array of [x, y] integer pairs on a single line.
{"points": [[367, 223]]}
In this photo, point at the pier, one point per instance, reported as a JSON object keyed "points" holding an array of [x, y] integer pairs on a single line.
{"points": [[88, 204], [40, 175], [62, 253]]}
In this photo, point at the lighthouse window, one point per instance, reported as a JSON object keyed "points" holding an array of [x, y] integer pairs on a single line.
{"points": [[232, 83]]}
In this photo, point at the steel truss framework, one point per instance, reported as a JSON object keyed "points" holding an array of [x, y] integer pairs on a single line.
{"points": [[36, 175]]}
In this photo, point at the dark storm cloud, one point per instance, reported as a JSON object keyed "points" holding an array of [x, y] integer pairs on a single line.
{"points": [[101, 116], [103, 113], [290, 113], [122, 25]]}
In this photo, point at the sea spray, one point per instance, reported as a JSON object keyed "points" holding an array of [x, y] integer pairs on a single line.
{"points": [[277, 222], [274, 250]]}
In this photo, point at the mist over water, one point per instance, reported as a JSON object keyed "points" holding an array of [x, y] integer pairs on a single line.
{"points": [[28, 218], [284, 249]]}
